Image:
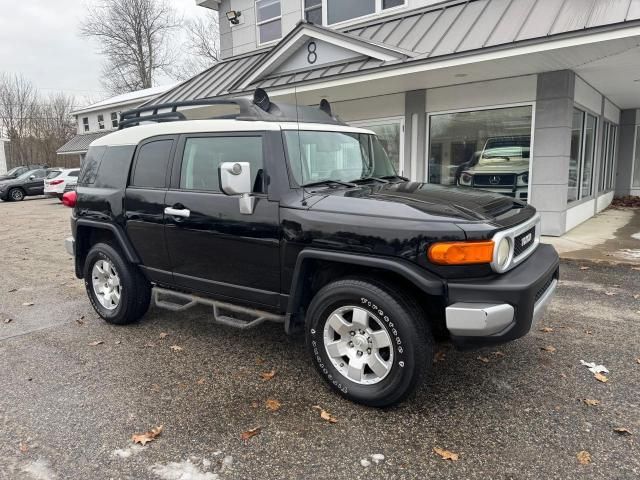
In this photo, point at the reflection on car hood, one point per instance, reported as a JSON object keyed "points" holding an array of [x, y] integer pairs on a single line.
{"points": [[416, 201]]}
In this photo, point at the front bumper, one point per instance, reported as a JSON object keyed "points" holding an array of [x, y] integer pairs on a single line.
{"points": [[505, 307]]}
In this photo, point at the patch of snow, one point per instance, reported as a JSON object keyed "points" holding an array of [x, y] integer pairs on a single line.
{"points": [[593, 368], [128, 452], [365, 463], [226, 463], [377, 458], [636, 236], [39, 470], [182, 471]]}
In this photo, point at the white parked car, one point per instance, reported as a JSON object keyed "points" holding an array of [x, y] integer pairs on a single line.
{"points": [[57, 180]]}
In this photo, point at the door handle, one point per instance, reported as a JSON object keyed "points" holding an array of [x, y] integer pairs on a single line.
{"points": [[177, 212]]}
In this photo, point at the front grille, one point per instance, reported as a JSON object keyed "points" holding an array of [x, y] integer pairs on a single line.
{"points": [[497, 180], [518, 247], [543, 288]]}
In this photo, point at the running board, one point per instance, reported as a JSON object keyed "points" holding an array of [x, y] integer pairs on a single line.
{"points": [[257, 316]]}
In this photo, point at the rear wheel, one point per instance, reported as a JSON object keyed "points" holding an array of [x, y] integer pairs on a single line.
{"points": [[16, 194], [119, 293], [368, 340]]}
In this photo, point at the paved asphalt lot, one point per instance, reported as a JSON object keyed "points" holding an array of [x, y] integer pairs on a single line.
{"points": [[68, 409]]}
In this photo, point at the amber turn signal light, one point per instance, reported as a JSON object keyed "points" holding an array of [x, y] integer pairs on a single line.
{"points": [[461, 253]]}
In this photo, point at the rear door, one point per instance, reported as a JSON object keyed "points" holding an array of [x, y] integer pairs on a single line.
{"points": [[144, 204], [213, 247]]}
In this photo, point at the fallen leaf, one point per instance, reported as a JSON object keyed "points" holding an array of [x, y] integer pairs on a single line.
{"points": [[483, 359], [439, 356], [268, 375], [446, 454], [584, 457], [591, 402], [164, 334], [546, 329], [12, 290], [245, 436], [588, 332], [563, 375], [638, 360], [144, 438], [548, 348], [636, 296], [622, 431], [259, 361], [584, 268], [118, 342], [201, 381], [24, 448], [601, 378], [498, 354], [96, 343], [324, 415], [273, 405], [176, 348], [28, 304], [610, 294], [615, 285], [149, 345], [8, 320], [635, 268], [79, 322], [255, 404]]}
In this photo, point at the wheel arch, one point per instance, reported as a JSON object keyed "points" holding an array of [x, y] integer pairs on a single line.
{"points": [[90, 232], [316, 268]]}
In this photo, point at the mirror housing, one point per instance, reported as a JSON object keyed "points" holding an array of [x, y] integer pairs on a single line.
{"points": [[235, 179], [32, 177]]}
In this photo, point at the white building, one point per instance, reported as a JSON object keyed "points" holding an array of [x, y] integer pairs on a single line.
{"points": [[3, 155], [539, 99], [99, 119]]}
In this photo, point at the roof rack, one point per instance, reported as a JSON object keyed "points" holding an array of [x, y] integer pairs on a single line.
{"points": [[260, 108]]}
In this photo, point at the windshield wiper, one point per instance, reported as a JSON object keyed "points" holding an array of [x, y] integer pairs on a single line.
{"points": [[390, 177], [377, 179], [329, 183]]}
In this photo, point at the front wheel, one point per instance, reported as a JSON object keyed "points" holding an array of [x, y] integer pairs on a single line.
{"points": [[118, 291], [368, 340], [16, 195]]}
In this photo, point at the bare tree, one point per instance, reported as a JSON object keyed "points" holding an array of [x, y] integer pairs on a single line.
{"points": [[18, 99], [135, 37], [200, 47]]}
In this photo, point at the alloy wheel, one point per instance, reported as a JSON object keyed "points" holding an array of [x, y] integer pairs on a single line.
{"points": [[106, 284]]}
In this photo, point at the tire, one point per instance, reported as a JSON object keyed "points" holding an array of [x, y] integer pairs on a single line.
{"points": [[393, 318], [133, 289], [16, 195]]}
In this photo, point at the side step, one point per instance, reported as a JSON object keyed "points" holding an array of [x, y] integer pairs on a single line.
{"points": [[178, 301]]}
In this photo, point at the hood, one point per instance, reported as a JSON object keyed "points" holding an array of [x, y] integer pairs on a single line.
{"points": [[421, 201], [517, 167]]}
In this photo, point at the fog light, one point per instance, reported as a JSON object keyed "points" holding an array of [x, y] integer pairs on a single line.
{"points": [[503, 253]]}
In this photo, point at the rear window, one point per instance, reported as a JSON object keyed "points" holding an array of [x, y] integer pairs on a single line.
{"points": [[150, 170], [73, 173], [91, 165], [53, 174]]}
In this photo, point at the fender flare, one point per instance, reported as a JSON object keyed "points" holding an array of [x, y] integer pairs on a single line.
{"points": [[419, 277], [123, 242]]}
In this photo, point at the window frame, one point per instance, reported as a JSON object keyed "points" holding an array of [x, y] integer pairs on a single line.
{"points": [[178, 155], [427, 155], [85, 124], [264, 22], [115, 121], [378, 11], [306, 9], [386, 121], [101, 124], [581, 161], [136, 156], [608, 155]]}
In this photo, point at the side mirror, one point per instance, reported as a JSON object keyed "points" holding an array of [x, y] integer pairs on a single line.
{"points": [[235, 179], [32, 177]]}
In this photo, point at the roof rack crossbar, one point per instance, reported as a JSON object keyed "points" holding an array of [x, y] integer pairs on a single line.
{"points": [[133, 117]]}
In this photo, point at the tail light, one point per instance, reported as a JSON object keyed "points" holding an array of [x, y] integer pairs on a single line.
{"points": [[69, 199], [56, 182]]}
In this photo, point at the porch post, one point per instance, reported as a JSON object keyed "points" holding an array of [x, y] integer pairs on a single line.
{"points": [[623, 166], [415, 133]]}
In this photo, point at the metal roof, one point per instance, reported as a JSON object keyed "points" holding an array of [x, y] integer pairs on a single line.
{"points": [[80, 143], [448, 28]]}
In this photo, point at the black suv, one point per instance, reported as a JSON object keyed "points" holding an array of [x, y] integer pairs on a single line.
{"points": [[283, 213]]}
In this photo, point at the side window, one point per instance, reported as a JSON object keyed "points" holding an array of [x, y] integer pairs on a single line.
{"points": [[73, 173], [203, 156], [40, 173], [151, 164]]}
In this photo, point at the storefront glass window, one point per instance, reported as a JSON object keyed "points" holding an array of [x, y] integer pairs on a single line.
{"points": [[485, 149], [636, 164], [390, 135], [589, 150], [583, 142], [576, 153]]}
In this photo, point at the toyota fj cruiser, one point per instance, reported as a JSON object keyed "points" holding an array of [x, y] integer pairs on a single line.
{"points": [[284, 213]]}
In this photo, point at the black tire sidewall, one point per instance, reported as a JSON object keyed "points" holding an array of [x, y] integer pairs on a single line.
{"points": [[11, 192], [120, 314], [402, 329]]}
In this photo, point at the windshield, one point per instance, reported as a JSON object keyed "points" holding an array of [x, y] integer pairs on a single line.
{"points": [[14, 171], [317, 156], [509, 149]]}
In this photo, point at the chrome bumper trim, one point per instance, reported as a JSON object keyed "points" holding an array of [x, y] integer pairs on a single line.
{"points": [[541, 305], [70, 246], [478, 319]]}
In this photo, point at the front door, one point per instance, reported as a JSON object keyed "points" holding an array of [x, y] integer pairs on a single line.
{"points": [[34, 185], [213, 247]]}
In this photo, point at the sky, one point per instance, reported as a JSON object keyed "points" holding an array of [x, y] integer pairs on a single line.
{"points": [[40, 39]]}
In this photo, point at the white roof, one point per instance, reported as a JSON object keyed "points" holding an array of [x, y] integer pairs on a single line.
{"points": [[132, 97], [134, 135]]}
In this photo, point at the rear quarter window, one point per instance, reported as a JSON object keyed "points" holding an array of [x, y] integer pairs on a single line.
{"points": [[91, 165], [152, 162], [53, 174], [114, 167]]}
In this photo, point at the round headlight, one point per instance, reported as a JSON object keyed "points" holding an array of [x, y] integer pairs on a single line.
{"points": [[504, 251], [525, 178], [465, 179]]}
